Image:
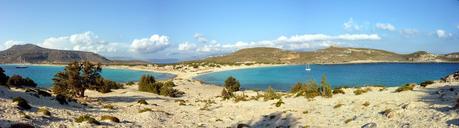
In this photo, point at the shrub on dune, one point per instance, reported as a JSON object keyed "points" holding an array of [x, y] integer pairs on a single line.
{"points": [[44, 111], [110, 118], [271, 94], [311, 90], [338, 91], [87, 118], [231, 85], [61, 99], [149, 84], [142, 101], [18, 81], [426, 83], [296, 88], [406, 87], [22, 103], [326, 88]]}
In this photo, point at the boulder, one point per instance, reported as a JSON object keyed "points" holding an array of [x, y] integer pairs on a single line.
{"points": [[452, 77]]}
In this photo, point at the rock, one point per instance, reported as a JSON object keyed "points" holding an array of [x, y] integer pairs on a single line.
{"points": [[451, 78], [369, 125]]}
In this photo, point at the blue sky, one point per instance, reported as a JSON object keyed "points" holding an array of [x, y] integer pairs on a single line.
{"points": [[182, 29]]}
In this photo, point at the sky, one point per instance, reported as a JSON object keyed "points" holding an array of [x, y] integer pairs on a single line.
{"points": [[185, 30]]}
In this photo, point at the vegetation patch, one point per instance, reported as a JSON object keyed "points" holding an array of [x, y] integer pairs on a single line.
{"points": [[149, 84], [231, 85], [145, 110], [44, 111], [279, 103], [366, 104], [271, 94], [61, 99], [337, 106], [406, 87], [110, 118], [426, 83], [339, 91], [19, 82], [142, 101], [348, 120], [388, 113], [87, 118], [241, 97], [22, 103], [360, 91], [311, 89], [108, 106]]}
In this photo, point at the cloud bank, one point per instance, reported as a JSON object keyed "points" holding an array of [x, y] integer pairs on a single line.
{"points": [[383, 26], [443, 34], [150, 45]]}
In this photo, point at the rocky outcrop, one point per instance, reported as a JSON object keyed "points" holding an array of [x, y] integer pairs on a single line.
{"points": [[452, 77]]}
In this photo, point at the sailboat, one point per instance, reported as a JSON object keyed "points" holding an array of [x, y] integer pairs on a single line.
{"points": [[308, 68], [22, 65]]}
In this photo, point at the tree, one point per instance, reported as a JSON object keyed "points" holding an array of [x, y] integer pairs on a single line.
{"points": [[232, 85], [77, 77], [326, 90], [3, 77]]}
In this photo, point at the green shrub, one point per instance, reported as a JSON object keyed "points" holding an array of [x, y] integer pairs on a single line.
{"points": [[87, 118], [108, 106], [326, 88], [311, 90], [232, 85], [338, 91], [297, 88], [167, 90], [61, 99], [18, 81], [242, 97], [279, 103], [105, 85], [360, 91], [366, 104], [226, 95], [426, 83], [22, 103], [145, 110], [271, 94], [148, 84], [406, 87], [142, 101], [44, 111], [110, 118], [130, 83], [337, 106]]}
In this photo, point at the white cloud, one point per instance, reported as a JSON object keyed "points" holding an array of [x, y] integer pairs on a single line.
{"points": [[442, 33], [10, 43], [383, 26], [150, 45], [186, 46], [408, 32], [350, 25], [86, 41], [296, 42], [200, 37]]}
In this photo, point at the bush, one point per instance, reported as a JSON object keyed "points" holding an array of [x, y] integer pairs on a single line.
{"points": [[296, 88], [142, 101], [130, 83], [44, 111], [105, 86], [338, 91], [270, 94], [149, 84], [366, 104], [242, 97], [326, 88], [109, 106], [145, 110], [3, 77], [226, 95], [311, 90], [22, 103], [87, 118], [232, 85], [61, 99], [406, 87], [18, 82], [426, 83], [360, 91], [110, 118], [279, 103]]}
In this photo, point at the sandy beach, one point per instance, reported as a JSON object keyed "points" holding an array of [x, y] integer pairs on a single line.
{"points": [[201, 106]]}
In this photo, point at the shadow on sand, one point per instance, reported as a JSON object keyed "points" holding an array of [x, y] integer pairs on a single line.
{"points": [[443, 99], [273, 120]]}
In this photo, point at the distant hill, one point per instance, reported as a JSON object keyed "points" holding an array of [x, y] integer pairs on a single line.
{"points": [[29, 53], [327, 55]]}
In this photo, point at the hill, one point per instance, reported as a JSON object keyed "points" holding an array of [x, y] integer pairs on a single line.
{"points": [[327, 55]]}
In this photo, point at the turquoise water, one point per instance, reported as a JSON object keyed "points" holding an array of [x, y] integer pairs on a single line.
{"points": [[43, 75], [283, 77]]}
